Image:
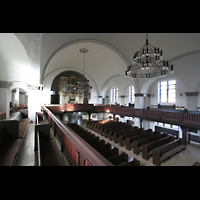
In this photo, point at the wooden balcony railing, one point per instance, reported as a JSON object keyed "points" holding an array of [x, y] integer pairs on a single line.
{"points": [[78, 150], [171, 116], [81, 153]]}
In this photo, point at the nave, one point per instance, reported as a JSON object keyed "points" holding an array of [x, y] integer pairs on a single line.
{"points": [[27, 155], [188, 157]]}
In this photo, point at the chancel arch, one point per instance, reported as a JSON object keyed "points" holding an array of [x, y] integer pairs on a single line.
{"points": [[70, 87]]}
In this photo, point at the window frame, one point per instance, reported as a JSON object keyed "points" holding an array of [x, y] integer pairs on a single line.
{"points": [[114, 94], [131, 94], [166, 91]]}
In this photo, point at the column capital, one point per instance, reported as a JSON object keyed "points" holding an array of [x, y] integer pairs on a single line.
{"points": [[4, 84], [191, 93], [139, 94]]}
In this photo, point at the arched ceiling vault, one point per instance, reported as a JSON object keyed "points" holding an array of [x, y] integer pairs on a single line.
{"points": [[110, 52], [14, 61], [101, 62]]}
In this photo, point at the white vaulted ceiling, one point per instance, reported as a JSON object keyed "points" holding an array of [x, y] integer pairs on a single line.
{"points": [[14, 61], [109, 53], [172, 44], [100, 62]]}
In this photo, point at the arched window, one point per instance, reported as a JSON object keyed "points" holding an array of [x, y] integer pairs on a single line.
{"points": [[131, 94], [114, 94]]}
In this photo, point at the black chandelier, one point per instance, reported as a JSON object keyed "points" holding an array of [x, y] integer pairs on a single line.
{"points": [[148, 62], [83, 84]]}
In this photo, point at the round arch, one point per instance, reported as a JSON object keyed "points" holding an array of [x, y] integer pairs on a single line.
{"points": [[198, 86], [15, 63], [148, 84], [48, 80], [105, 86], [83, 41], [18, 84]]}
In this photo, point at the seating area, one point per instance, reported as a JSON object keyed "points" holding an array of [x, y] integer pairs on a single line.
{"points": [[111, 154], [9, 142], [145, 141], [12, 132], [168, 107], [47, 152], [193, 138], [2, 116], [163, 152], [22, 117]]}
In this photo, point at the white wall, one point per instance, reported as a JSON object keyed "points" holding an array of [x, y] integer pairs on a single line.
{"points": [[34, 102], [186, 73], [120, 82], [14, 61], [47, 82], [180, 88], [187, 70], [22, 99], [4, 100]]}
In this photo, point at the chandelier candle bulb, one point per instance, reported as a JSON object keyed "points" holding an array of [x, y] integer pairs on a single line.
{"points": [[151, 58]]}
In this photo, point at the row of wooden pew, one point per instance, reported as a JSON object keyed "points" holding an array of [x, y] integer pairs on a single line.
{"points": [[2, 116], [12, 133], [47, 152], [111, 154], [157, 144]]}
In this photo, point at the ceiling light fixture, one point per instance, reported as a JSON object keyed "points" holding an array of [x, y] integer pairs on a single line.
{"points": [[148, 62]]}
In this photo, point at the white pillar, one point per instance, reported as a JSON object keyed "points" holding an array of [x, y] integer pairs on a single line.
{"points": [[5, 97], [139, 100], [191, 100], [34, 102], [139, 103], [16, 100], [123, 99], [22, 97]]}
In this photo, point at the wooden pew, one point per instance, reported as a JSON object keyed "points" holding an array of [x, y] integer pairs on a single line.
{"points": [[147, 149], [116, 134], [194, 138], [122, 137], [137, 145], [93, 124], [10, 143], [130, 140], [122, 160], [168, 130], [110, 153], [105, 130], [2, 116], [97, 144], [22, 118], [92, 140], [105, 149], [113, 133], [47, 153], [102, 147], [162, 153]]}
